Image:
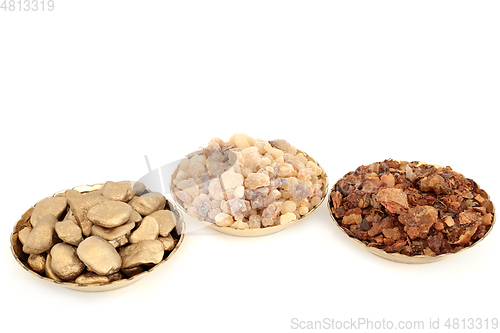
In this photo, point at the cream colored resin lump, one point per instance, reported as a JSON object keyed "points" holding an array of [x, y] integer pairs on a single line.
{"points": [[248, 183]]}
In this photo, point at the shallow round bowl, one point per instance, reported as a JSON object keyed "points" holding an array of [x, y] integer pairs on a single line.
{"points": [[397, 257], [22, 258]]}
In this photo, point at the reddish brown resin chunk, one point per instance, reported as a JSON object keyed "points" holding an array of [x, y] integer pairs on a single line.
{"points": [[393, 199], [419, 220]]}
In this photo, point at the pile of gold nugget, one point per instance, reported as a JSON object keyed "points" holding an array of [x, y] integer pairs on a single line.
{"points": [[100, 236]]}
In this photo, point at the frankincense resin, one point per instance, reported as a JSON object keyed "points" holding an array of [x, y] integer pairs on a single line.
{"points": [[248, 183]]}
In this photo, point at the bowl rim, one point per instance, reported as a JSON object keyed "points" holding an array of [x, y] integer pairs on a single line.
{"points": [[180, 229], [398, 257], [260, 231]]}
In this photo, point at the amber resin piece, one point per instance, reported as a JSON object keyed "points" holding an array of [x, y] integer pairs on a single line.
{"points": [[411, 208]]}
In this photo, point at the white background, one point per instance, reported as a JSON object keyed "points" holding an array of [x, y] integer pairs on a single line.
{"points": [[89, 89]]}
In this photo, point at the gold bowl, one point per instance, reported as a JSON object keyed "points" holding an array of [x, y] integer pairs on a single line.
{"points": [[260, 231], [398, 257], [22, 258]]}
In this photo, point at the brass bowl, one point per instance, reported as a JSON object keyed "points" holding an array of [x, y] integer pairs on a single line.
{"points": [[22, 258], [398, 257], [261, 231]]}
